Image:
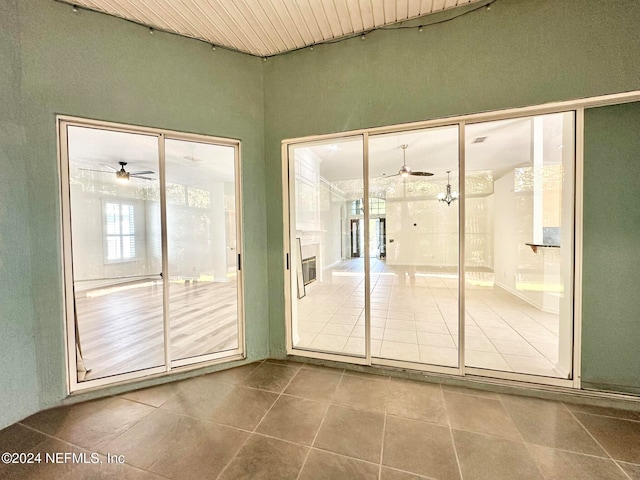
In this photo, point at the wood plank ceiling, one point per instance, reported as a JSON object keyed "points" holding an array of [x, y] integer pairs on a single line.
{"points": [[267, 27]]}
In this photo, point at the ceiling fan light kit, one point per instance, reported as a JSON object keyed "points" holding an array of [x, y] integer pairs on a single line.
{"points": [[405, 170], [122, 176]]}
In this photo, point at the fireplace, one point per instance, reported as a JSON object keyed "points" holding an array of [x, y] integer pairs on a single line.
{"points": [[309, 270]]}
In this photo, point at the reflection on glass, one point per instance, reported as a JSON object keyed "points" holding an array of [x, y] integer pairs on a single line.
{"points": [[327, 246], [519, 244], [201, 242], [414, 249], [115, 224]]}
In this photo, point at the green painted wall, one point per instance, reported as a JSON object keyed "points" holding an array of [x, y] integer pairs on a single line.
{"points": [[91, 65], [518, 53], [18, 375], [611, 272]]}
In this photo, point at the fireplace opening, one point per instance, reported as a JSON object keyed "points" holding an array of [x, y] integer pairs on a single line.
{"points": [[309, 270]]}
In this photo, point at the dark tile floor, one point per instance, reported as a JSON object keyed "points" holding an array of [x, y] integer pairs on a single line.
{"points": [[282, 420]]}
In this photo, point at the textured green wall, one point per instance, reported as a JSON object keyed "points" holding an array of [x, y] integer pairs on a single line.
{"points": [[91, 65], [521, 52], [18, 374], [611, 272]]}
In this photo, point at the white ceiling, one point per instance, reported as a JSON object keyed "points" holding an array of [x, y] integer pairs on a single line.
{"points": [[268, 27], [94, 153], [508, 144]]}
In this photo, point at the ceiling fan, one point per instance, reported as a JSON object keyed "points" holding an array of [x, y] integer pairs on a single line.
{"points": [[122, 175], [405, 171]]}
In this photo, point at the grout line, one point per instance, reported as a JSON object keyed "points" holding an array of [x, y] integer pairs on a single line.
{"points": [[564, 450], [616, 462], [594, 438], [315, 437], [48, 435], [602, 415], [384, 427], [234, 456], [623, 470], [258, 424], [510, 417], [526, 445], [412, 474], [84, 449], [276, 400], [455, 450]]}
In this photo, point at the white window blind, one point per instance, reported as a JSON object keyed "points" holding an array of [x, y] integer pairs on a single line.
{"points": [[120, 232]]}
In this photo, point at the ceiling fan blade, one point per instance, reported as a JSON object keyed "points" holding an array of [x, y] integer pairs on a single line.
{"points": [[142, 172], [389, 176], [143, 178], [422, 174], [93, 170], [113, 169]]}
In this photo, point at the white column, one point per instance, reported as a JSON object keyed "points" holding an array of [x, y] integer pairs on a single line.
{"points": [[538, 178]]}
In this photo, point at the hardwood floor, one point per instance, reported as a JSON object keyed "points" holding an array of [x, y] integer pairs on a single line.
{"points": [[122, 330]]}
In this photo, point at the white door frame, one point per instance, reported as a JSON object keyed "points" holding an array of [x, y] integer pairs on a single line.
{"points": [[170, 366], [578, 106]]}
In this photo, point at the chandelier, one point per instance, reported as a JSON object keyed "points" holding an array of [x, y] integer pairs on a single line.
{"points": [[449, 196]]}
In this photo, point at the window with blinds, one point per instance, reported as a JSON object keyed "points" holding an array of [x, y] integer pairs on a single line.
{"points": [[120, 241]]}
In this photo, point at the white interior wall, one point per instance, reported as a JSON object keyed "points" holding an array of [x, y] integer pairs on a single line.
{"points": [[479, 243], [505, 255], [331, 225], [90, 268], [196, 238], [422, 232], [518, 269], [154, 237]]}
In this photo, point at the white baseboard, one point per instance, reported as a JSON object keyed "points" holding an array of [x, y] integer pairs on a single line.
{"points": [[526, 299]]}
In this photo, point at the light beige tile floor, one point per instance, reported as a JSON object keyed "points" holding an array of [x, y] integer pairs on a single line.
{"points": [[415, 318], [285, 420]]}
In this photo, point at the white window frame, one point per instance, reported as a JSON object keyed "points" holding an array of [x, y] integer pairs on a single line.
{"points": [[120, 237]]}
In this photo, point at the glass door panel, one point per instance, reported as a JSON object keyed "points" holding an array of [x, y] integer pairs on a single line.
{"points": [[114, 195], [326, 245], [414, 275], [519, 206], [201, 244]]}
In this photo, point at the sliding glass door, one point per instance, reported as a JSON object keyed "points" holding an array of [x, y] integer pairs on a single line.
{"points": [[419, 236], [519, 204], [117, 272], [201, 243], [414, 286], [326, 237], [152, 250]]}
